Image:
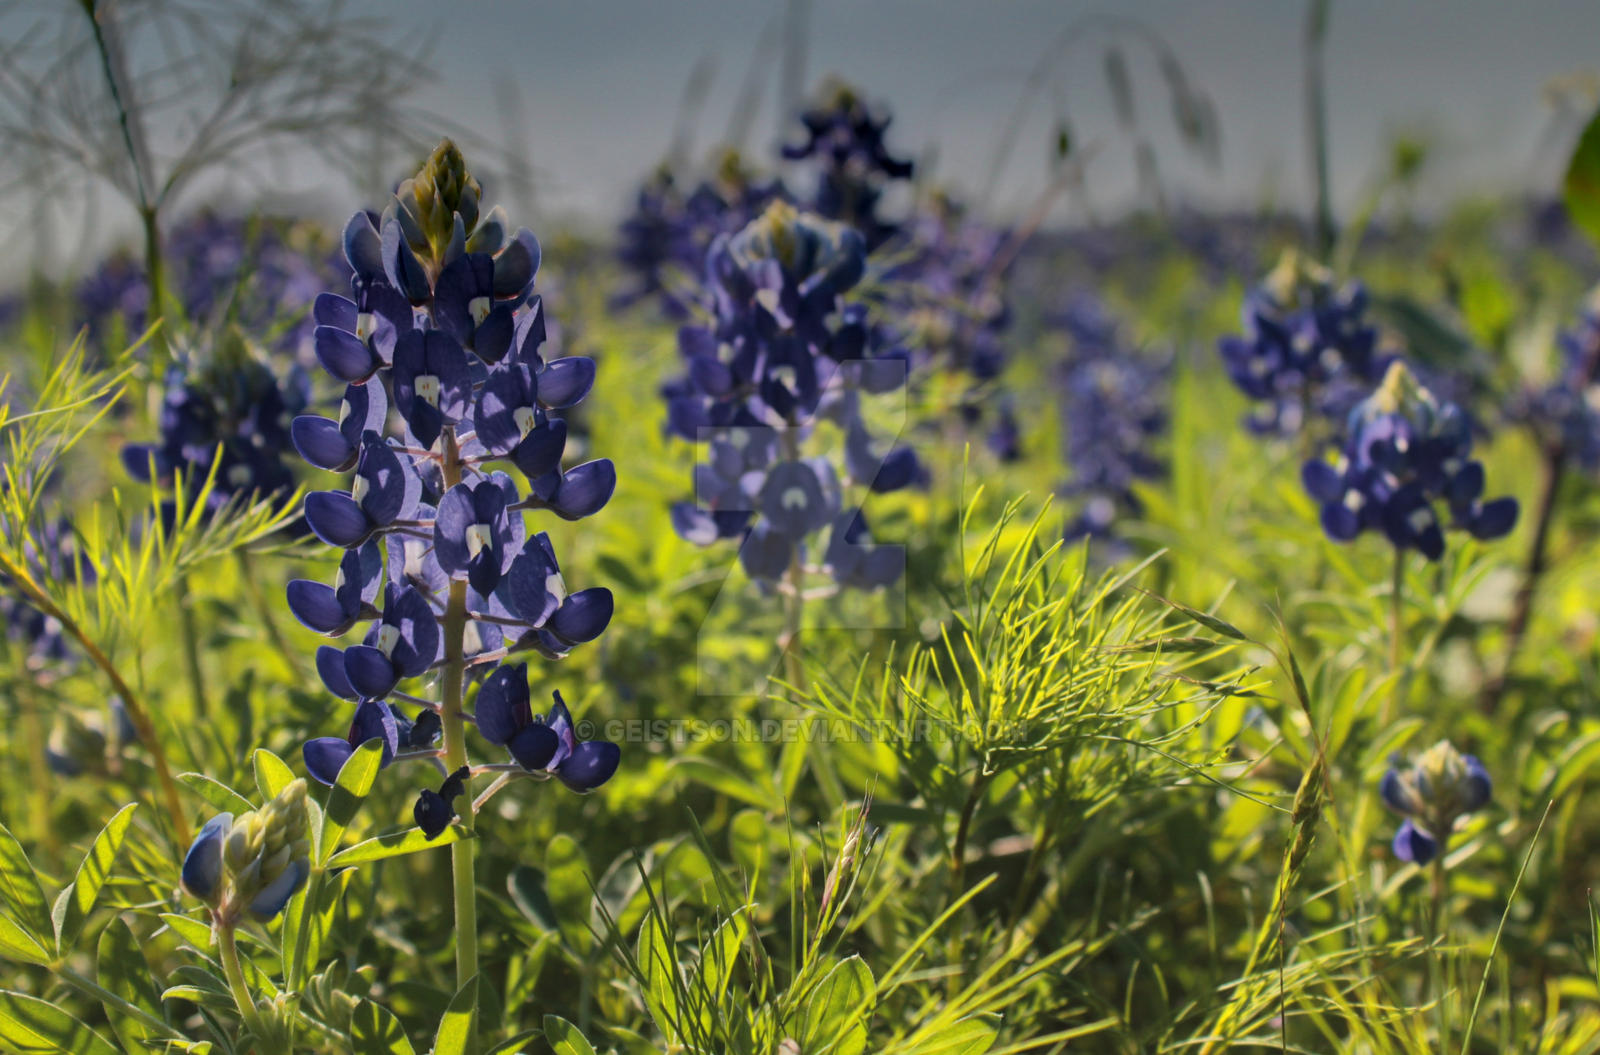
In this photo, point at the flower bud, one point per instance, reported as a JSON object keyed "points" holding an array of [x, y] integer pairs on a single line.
{"points": [[1441, 786], [254, 862]]}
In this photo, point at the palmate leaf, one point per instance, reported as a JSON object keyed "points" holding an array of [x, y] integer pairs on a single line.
{"points": [[394, 844], [28, 1024], [375, 1031], [459, 1021], [834, 1017], [18, 945], [123, 971], [349, 791], [19, 885], [79, 897], [272, 773], [564, 1038]]}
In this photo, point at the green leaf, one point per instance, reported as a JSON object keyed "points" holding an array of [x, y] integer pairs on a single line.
{"points": [[78, 900], [272, 774], [565, 1038], [223, 798], [517, 1045], [526, 887], [970, 1036], [724, 781], [661, 982], [17, 944], [188, 928], [28, 1024], [393, 844], [1171, 645], [375, 1031], [329, 891], [1576, 760], [1581, 188], [834, 1017], [349, 791], [124, 971], [566, 879], [456, 1027], [20, 886], [718, 958]]}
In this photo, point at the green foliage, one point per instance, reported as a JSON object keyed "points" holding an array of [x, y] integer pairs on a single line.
{"points": [[1052, 804]]}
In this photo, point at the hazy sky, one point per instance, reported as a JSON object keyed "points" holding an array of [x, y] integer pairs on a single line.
{"points": [[600, 84]]}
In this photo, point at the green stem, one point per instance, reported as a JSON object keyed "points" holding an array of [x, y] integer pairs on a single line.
{"points": [[794, 604], [463, 853], [294, 978], [1317, 125], [191, 647], [1395, 700], [22, 576], [229, 950], [1538, 560], [958, 852]]}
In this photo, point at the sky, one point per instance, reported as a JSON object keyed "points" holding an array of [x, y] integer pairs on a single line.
{"points": [[599, 86], [601, 83]]}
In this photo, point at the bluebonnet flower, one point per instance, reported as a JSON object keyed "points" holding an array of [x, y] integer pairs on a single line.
{"points": [[1307, 348], [1404, 451], [550, 748], [434, 810], [785, 350], [1441, 786], [844, 138], [1565, 414], [444, 316], [261, 274], [662, 244], [54, 554], [224, 415], [253, 863], [1113, 407], [946, 299]]}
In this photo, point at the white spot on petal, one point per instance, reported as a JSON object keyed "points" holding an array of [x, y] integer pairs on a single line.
{"points": [[525, 419], [427, 388]]}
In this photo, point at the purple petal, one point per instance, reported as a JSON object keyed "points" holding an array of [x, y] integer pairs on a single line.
{"points": [[591, 764]]}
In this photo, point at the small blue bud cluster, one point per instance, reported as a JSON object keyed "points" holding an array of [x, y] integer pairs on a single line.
{"points": [[1431, 794], [844, 137], [1307, 349], [444, 327], [225, 415], [1404, 451], [1113, 406], [784, 354]]}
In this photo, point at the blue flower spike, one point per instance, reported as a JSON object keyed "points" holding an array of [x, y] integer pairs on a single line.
{"points": [[1432, 793], [1406, 452], [444, 329]]}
